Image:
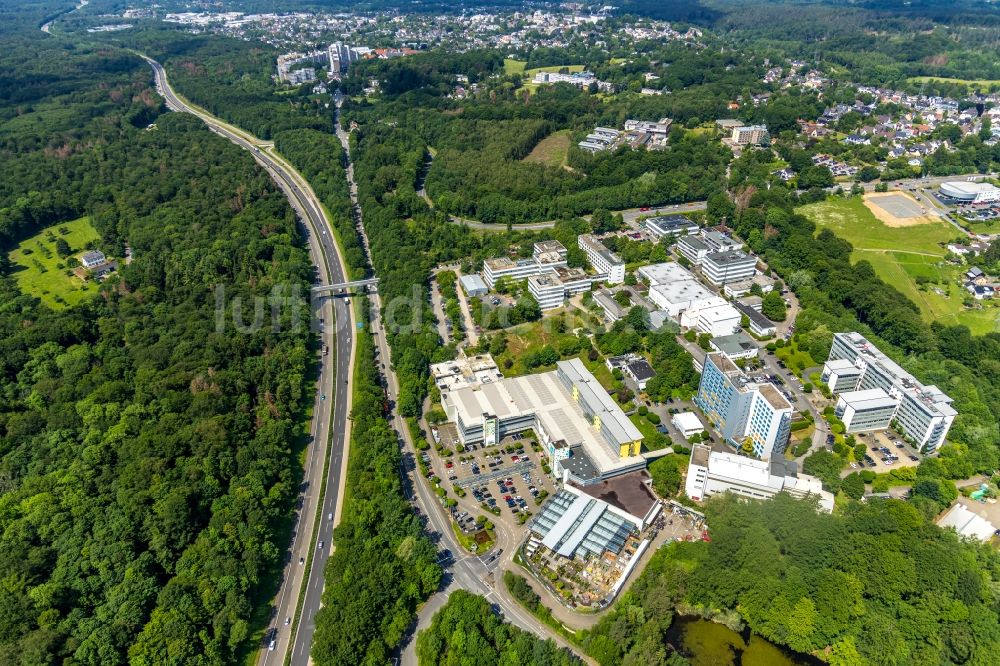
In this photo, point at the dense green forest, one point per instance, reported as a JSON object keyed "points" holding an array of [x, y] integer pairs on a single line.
{"points": [[479, 145], [467, 632], [876, 585], [146, 448]]}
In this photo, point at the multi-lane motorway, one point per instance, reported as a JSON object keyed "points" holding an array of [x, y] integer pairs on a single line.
{"points": [[330, 430]]}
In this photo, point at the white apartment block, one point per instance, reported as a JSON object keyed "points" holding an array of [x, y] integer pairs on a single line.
{"points": [[923, 413], [602, 259], [711, 472], [749, 135]]}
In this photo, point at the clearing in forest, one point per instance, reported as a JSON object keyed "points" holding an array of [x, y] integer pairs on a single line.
{"points": [[41, 272], [552, 150]]}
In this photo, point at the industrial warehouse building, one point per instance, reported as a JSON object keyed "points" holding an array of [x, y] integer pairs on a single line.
{"points": [[586, 434]]}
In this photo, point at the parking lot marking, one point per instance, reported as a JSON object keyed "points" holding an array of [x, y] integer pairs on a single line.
{"points": [[474, 480]]}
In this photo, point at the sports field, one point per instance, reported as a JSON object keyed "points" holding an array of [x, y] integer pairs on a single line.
{"points": [[904, 255], [40, 271]]}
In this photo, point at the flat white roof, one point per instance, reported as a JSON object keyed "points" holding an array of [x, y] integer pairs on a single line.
{"points": [[967, 523], [669, 271], [687, 421], [545, 397], [868, 399], [967, 188], [729, 466], [719, 312], [839, 365], [682, 291], [473, 282]]}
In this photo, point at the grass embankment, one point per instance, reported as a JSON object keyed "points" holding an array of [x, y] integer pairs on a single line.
{"points": [[41, 272], [904, 257]]}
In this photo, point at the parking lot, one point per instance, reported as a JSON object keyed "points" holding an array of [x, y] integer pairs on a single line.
{"points": [[885, 451], [506, 481]]}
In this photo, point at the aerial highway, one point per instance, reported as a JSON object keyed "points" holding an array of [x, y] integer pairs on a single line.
{"points": [[319, 509], [480, 575]]}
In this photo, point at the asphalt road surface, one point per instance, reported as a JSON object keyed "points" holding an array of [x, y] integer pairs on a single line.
{"points": [[333, 320]]}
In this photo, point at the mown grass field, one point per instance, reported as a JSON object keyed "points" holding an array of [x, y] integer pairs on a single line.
{"points": [[41, 272], [530, 73], [551, 151], [511, 66], [901, 255], [975, 83]]}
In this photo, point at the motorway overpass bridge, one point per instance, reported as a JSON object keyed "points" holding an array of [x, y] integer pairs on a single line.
{"points": [[368, 284]]}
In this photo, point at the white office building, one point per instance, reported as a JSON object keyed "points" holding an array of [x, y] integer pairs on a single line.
{"points": [[743, 287], [604, 261], [718, 320], [741, 409], [840, 375], [547, 255], [587, 436], [670, 225], [924, 413], [711, 472], [720, 268], [760, 325], [553, 287], [719, 242], [692, 248], [681, 295], [867, 410]]}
